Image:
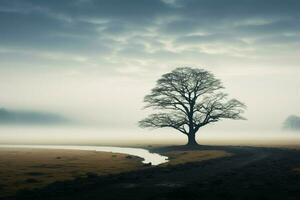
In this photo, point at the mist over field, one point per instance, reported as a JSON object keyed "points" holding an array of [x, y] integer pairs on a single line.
{"points": [[136, 137], [94, 61]]}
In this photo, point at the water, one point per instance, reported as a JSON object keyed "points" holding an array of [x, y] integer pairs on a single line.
{"points": [[153, 158]]}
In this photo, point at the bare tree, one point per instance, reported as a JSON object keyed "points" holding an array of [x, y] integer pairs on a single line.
{"points": [[190, 98]]}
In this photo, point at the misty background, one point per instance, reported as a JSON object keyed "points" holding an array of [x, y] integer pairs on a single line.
{"points": [[91, 62]]}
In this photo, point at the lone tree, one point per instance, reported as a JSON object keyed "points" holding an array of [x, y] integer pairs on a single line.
{"points": [[190, 98]]}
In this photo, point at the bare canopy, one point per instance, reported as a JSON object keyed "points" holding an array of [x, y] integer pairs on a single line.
{"points": [[189, 98]]}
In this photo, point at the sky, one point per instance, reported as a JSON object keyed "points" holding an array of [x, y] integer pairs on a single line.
{"points": [[95, 60]]}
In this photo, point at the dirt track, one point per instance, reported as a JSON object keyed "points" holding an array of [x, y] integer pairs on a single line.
{"points": [[252, 173]]}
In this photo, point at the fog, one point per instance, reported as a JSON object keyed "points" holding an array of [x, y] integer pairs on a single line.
{"points": [[128, 137], [95, 64], [107, 109]]}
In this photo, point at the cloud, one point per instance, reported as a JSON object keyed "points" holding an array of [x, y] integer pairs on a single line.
{"points": [[112, 34], [31, 118]]}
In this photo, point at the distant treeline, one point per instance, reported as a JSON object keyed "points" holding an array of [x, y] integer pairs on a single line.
{"points": [[30, 117], [292, 123]]}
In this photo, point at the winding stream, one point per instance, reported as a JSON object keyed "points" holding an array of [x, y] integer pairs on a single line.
{"points": [[153, 158]]}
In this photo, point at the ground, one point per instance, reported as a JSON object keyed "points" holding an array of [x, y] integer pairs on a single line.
{"points": [[177, 157], [22, 169], [240, 173], [33, 168]]}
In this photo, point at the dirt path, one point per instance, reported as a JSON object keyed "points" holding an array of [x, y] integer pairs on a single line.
{"points": [[252, 173]]}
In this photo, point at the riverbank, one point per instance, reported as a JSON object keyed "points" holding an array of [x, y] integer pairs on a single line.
{"points": [[249, 173], [27, 169]]}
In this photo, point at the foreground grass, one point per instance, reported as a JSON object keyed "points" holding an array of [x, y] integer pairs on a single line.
{"points": [[33, 168], [181, 157], [22, 169]]}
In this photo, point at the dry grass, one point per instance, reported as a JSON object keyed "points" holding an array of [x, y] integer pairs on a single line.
{"points": [[33, 168], [181, 157]]}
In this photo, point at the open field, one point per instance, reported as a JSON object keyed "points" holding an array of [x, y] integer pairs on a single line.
{"points": [[248, 173], [22, 169], [207, 172], [33, 168]]}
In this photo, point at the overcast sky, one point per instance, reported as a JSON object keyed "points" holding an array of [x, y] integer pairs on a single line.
{"points": [[94, 60]]}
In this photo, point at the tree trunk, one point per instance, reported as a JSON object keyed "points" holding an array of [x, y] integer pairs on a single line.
{"points": [[192, 140]]}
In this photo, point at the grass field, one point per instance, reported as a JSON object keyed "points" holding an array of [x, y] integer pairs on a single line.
{"points": [[181, 157], [22, 169], [32, 168]]}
